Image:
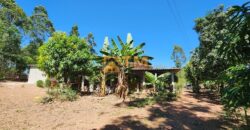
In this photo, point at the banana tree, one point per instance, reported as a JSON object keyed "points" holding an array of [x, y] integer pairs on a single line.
{"points": [[157, 81], [122, 55]]}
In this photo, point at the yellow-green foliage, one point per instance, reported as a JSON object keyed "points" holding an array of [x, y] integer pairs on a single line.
{"points": [[181, 81], [61, 94], [40, 83], [64, 56]]}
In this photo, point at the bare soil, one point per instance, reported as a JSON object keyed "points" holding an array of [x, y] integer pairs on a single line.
{"points": [[20, 109]]}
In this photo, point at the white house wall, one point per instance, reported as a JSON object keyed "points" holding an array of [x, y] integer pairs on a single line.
{"points": [[35, 74]]}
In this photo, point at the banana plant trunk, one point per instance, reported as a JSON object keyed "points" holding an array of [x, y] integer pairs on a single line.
{"points": [[154, 89], [122, 88], [103, 84]]}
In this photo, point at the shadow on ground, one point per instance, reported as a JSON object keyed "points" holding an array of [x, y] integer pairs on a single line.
{"points": [[172, 117], [206, 96]]}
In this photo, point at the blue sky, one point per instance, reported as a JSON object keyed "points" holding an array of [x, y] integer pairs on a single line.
{"points": [[159, 23]]}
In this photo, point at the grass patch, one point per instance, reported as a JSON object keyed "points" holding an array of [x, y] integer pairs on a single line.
{"points": [[61, 94], [161, 97]]}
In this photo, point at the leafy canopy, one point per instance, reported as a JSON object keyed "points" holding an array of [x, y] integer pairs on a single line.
{"points": [[65, 57], [178, 56]]}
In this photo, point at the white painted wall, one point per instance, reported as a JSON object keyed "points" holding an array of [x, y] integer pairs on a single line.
{"points": [[36, 74]]}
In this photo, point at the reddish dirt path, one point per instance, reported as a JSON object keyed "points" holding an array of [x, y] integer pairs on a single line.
{"points": [[188, 112], [20, 110]]}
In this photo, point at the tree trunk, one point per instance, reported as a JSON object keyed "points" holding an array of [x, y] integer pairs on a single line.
{"points": [[103, 85], [122, 88], [246, 117]]}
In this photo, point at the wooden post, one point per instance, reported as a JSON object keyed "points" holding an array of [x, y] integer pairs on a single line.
{"points": [[137, 88], [155, 84], [82, 84], [143, 79], [173, 83], [103, 84]]}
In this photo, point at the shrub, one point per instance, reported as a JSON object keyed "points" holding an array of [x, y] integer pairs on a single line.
{"points": [[63, 94], [161, 97], [47, 83], [46, 99], [236, 94], [142, 102], [40, 83], [67, 94]]}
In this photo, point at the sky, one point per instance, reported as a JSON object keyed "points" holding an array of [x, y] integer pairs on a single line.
{"points": [[161, 24]]}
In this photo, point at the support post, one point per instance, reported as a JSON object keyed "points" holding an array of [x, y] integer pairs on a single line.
{"points": [[173, 83], [155, 84], [143, 79], [82, 84]]}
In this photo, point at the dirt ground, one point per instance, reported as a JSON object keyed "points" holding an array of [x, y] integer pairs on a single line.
{"points": [[20, 109]]}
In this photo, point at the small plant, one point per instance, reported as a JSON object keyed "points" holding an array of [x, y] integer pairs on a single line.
{"points": [[40, 84], [160, 98], [47, 83], [46, 99], [61, 94], [67, 94]]}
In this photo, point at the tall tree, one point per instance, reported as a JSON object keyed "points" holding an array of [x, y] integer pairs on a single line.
{"points": [[90, 39], [42, 27], [223, 55], [213, 34], [13, 25], [74, 31], [178, 56], [237, 50]]}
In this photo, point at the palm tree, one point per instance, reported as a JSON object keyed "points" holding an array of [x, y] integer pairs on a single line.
{"points": [[121, 56]]}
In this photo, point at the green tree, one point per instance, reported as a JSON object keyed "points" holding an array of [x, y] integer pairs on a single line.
{"points": [[9, 49], [178, 56], [223, 55], [13, 25], [206, 63], [74, 31], [90, 39], [13, 15], [65, 57], [237, 50], [236, 93], [236, 78], [42, 27]]}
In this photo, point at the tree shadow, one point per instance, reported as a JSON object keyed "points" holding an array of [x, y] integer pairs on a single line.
{"points": [[173, 117], [206, 96], [126, 122]]}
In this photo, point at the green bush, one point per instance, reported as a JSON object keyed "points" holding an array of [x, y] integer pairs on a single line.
{"points": [[236, 94], [68, 94], [46, 99], [63, 94], [161, 97], [40, 83], [47, 83]]}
